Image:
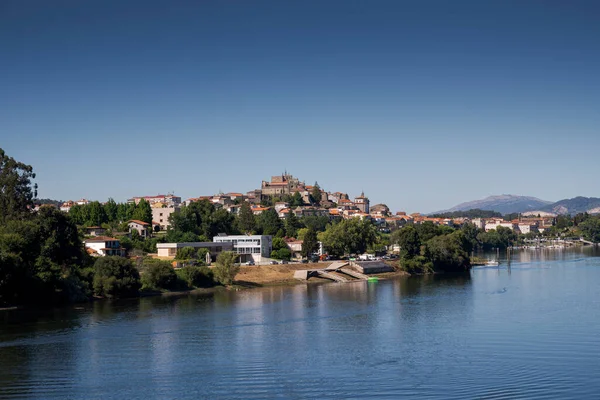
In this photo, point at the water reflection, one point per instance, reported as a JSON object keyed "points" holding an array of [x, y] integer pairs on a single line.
{"points": [[525, 332]]}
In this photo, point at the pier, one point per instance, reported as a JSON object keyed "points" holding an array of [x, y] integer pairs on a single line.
{"points": [[344, 271]]}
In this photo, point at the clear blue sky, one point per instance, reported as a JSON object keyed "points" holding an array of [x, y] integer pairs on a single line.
{"points": [[421, 104]]}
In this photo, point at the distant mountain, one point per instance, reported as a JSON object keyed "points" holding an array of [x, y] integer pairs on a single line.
{"points": [[504, 204], [574, 206]]}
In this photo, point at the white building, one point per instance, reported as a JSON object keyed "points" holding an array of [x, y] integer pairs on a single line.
{"points": [[104, 246], [170, 249], [249, 247]]}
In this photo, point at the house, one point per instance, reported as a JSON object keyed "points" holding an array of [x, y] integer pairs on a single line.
{"points": [[280, 184], [94, 231], [379, 210], [161, 214], [280, 205], [104, 246], [169, 199], [250, 247], [143, 228], [295, 247], [169, 250], [257, 210]]}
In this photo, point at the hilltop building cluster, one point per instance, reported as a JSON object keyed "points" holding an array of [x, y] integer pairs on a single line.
{"points": [[286, 194]]}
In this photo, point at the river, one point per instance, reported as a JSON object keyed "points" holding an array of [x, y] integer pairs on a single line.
{"points": [[526, 330]]}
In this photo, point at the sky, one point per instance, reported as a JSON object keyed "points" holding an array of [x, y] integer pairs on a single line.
{"points": [[420, 104]]}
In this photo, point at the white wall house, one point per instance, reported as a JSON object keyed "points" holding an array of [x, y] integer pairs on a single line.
{"points": [[249, 247], [143, 228], [160, 215], [104, 246], [170, 249]]}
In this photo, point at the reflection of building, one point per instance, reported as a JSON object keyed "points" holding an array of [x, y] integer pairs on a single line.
{"points": [[249, 247], [280, 184], [170, 249], [104, 246]]}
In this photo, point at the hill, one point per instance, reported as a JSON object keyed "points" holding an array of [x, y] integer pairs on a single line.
{"points": [[574, 206], [504, 204]]}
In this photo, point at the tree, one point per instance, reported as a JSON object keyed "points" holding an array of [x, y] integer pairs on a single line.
{"points": [[291, 224], [111, 210], [408, 240], [269, 222], [196, 276], [310, 243], [447, 252], [186, 253], [315, 194], [158, 275], [16, 191], [349, 236], [296, 200], [115, 277], [590, 229], [246, 220], [226, 267], [96, 216], [143, 212]]}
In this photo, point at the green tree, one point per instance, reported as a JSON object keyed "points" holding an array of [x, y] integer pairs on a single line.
{"points": [[590, 228], [292, 224], [226, 267], [16, 190], [448, 252], [143, 212], [315, 194], [349, 236], [115, 277], [269, 222], [111, 210], [310, 243], [158, 275], [196, 276], [96, 214], [246, 220], [409, 241], [186, 253], [296, 200]]}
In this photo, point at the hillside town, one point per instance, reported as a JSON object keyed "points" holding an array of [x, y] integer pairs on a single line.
{"points": [[284, 194]]}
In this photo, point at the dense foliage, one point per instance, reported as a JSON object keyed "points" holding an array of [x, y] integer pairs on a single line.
{"points": [[472, 213]]}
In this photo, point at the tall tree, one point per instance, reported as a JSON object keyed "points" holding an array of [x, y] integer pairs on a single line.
{"points": [[291, 224], [226, 267], [269, 222], [315, 194], [111, 210], [16, 190], [97, 216], [143, 212], [310, 243], [246, 220]]}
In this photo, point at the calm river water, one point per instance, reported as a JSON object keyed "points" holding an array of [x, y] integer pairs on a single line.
{"points": [[529, 331]]}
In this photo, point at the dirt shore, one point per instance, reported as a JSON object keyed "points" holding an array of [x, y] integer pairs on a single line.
{"points": [[283, 274]]}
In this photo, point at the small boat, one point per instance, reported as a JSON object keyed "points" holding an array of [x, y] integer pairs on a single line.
{"points": [[492, 263], [373, 279]]}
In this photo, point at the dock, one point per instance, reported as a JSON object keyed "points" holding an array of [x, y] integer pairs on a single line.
{"points": [[344, 271]]}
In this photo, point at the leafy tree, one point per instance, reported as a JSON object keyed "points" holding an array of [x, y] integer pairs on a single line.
{"points": [[447, 252], [96, 214], [315, 194], [281, 254], [115, 277], [111, 210], [292, 224], [310, 243], [427, 230], [296, 200], [269, 222], [16, 191], [158, 275], [226, 267], [590, 229], [349, 236], [318, 223], [409, 241], [301, 233], [246, 220], [143, 212], [186, 253], [196, 276], [471, 231]]}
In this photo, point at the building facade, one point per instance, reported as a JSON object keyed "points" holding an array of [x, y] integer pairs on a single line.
{"points": [[104, 246], [250, 247], [169, 250], [160, 215]]}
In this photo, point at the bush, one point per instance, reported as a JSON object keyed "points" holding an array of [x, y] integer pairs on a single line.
{"points": [[226, 268], [196, 276], [159, 275], [115, 276]]}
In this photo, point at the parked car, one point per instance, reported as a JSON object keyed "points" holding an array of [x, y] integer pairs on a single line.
{"points": [[250, 263], [273, 262], [284, 262]]}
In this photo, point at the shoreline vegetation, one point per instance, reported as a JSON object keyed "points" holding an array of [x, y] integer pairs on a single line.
{"points": [[43, 260]]}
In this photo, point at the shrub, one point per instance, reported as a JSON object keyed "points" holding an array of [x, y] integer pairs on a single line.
{"points": [[115, 276], [159, 275], [196, 276]]}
